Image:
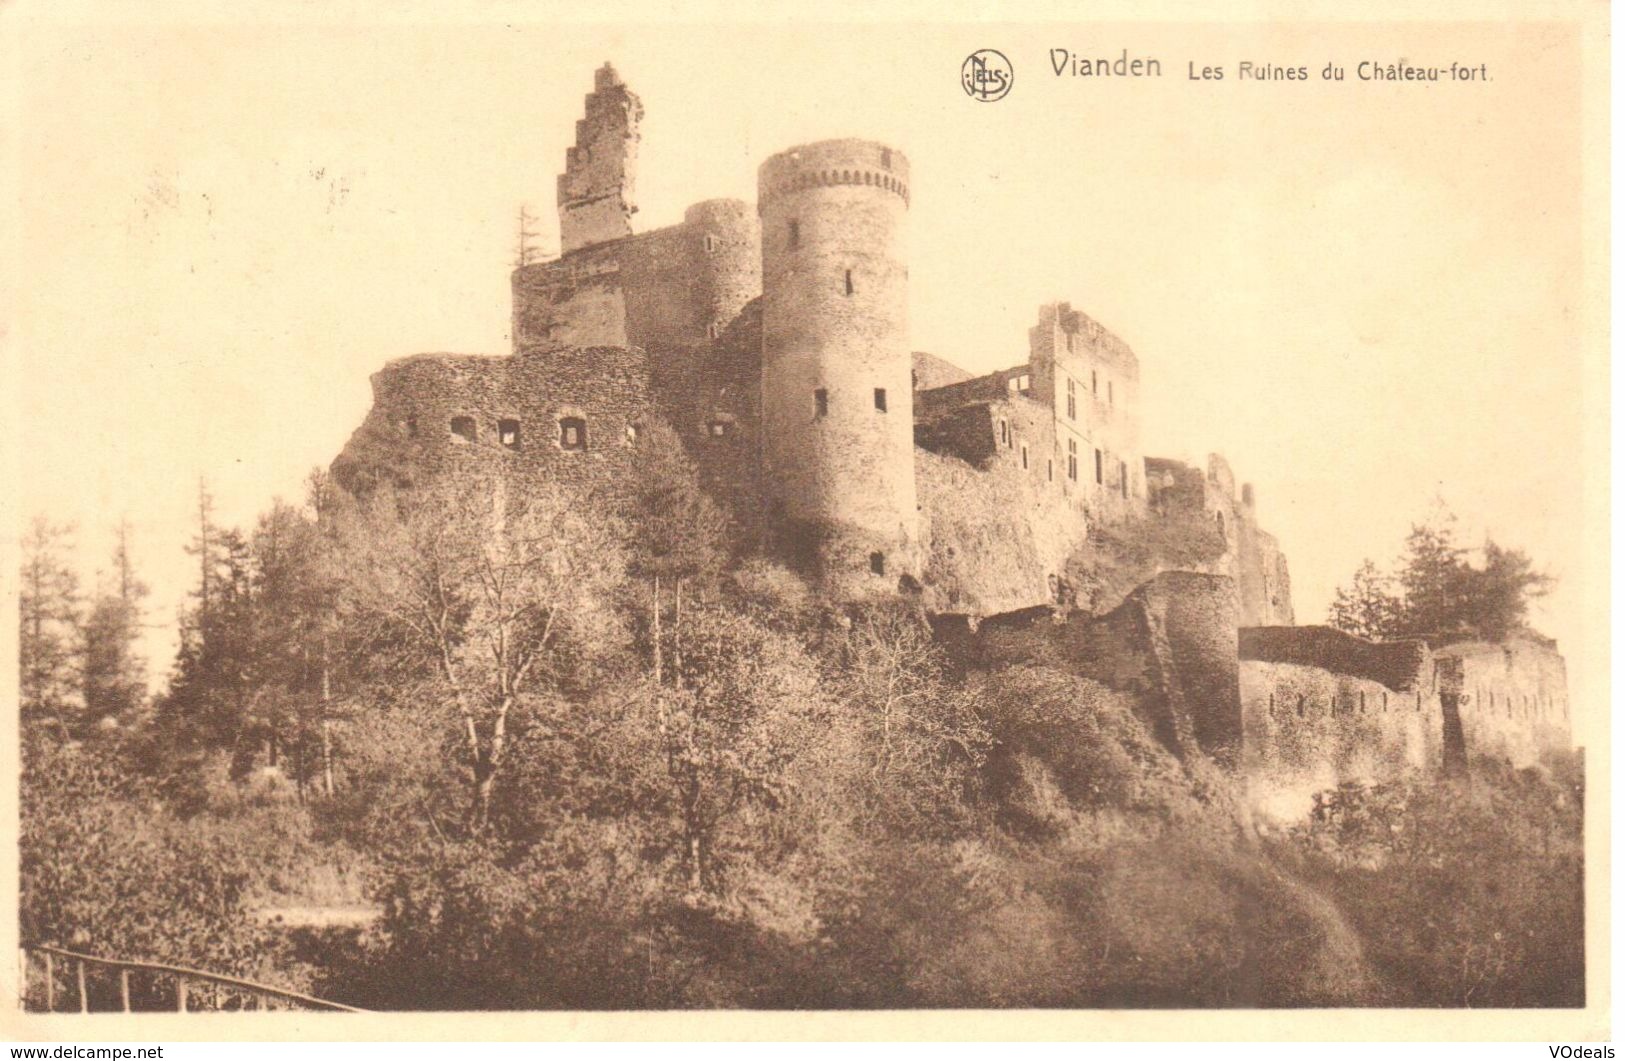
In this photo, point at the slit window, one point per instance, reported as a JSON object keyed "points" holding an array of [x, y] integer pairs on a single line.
{"points": [[880, 399], [1100, 471], [795, 234], [508, 433], [1024, 456], [463, 427], [1094, 381], [1050, 465], [1004, 432], [849, 281], [713, 330], [1111, 398], [710, 243], [1122, 478], [820, 402], [877, 563], [573, 433]]}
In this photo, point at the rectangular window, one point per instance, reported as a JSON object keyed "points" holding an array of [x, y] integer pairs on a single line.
{"points": [[463, 427], [710, 243], [1050, 468], [849, 281], [1071, 398], [1100, 476], [1072, 459], [1094, 382], [795, 234], [820, 402], [1004, 432], [877, 563], [1024, 456], [572, 433], [1122, 477], [713, 330], [880, 399], [1110, 397], [508, 432]]}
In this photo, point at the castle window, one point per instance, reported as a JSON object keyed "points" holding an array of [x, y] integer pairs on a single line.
{"points": [[849, 281], [1050, 466], [1071, 398], [713, 330], [1004, 432], [710, 243], [880, 398], [508, 433], [1072, 459], [1300, 705], [820, 402], [877, 563], [1122, 478], [1024, 456], [720, 427], [795, 234], [1218, 521], [573, 433], [1100, 474], [1094, 382], [463, 427], [1110, 396]]}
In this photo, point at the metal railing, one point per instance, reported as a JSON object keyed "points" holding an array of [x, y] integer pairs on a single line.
{"points": [[213, 990]]}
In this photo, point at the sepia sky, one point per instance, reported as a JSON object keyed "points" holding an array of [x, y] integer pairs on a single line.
{"points": [[1365, 295]]}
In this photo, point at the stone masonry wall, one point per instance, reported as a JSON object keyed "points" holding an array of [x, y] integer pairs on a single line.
{"points": [[1511, 698], [677, 286]]}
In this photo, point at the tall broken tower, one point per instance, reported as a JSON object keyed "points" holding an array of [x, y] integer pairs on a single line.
{"points": [[595, 190]]}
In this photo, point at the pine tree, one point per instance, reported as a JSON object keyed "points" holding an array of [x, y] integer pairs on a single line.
{"points": [[115, 678], [49, 617], [1367, 607]]}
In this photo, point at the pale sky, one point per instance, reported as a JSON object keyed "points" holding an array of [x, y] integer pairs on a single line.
{"points": [[1364, 295]]}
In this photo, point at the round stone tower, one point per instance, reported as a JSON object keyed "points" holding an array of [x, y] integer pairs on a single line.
{"points": [[837, 394]]}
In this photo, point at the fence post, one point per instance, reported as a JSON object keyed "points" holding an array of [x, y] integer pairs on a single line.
{"points": [[124, 988], [84, 999], [180, 994], [50, 984]]}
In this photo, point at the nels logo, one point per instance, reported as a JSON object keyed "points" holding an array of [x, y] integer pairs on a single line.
{"points": [[986, 75]]}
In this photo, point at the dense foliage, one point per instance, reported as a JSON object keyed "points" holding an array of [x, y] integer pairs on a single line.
{"points": [[575, 753], [1437, 592]]}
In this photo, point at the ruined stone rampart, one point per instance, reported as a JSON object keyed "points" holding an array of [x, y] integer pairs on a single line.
{"points": [[1399, 665], [1511, 698], [679, 286]]}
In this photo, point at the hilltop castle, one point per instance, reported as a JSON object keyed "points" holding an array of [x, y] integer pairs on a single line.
{"points": [[774, 340]]}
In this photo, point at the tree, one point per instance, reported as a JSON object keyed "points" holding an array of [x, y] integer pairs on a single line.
{"points": [[499, 597], [48, 629], [1368, 606], [115, 675], [1438, 594]]}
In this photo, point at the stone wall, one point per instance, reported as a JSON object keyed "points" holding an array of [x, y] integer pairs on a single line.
{"points": [[1251, 555], [680, 286], [1511, 698], [932, 371]]}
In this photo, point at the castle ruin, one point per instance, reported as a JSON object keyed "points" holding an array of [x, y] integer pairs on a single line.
{"points": [[774, 339]]}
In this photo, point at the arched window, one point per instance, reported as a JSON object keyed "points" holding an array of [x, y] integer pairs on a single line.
{"points": [[572, 433]]}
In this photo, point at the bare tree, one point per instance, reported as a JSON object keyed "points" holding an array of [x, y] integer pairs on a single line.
{"points": [[499, 593]]}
